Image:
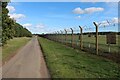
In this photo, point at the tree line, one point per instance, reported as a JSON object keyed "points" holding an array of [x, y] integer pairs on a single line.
{"points": [[10, 28]]}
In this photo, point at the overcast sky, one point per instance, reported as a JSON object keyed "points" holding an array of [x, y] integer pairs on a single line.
{"points": [[44, 17]]}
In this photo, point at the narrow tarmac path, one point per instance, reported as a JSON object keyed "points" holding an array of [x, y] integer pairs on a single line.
{"points": [[27, 63]]}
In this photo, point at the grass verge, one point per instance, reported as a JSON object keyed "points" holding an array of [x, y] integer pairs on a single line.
{"points": [[12, 46], [65, 62]]}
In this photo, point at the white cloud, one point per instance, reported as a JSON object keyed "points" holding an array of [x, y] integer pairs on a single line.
{"points": [[78, 11], [109, 22], [27, 25], [10, 8], [78, 17], [93, 9], [116, 20], [87, 10], [104, 23], [16, 16], [40, 26]]}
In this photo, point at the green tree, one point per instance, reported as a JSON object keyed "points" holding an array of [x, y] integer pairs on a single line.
{"points": [[0, 14], [7, 24], [21, 32], [10, 28]]}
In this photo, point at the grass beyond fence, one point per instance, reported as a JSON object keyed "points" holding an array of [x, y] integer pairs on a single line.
{"points": [[12, 46], [89, 42], [66, 62]]}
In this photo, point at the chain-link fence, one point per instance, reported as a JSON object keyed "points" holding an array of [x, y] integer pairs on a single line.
{"points": [[100, 39]]}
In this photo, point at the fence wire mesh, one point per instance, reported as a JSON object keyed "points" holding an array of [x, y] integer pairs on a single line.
{"points": [[92, 39]]}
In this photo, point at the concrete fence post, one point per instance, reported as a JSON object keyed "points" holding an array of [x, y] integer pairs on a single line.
{"points": [[96, 37], [71, 37], [81, 35]]}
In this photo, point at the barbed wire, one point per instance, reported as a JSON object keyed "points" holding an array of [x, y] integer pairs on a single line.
{"points": [[104, 24]]}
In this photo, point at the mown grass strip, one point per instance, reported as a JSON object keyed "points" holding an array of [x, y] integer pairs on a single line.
{"points": [[65, 62], [12, 46]]}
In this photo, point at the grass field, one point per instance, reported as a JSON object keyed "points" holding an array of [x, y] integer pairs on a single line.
{"points": [[66, 62], [89, 42], [12, 46]]}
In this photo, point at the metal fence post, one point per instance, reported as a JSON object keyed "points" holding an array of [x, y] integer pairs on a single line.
{"points": [[81, 34], [71, 37], [96, 37]]}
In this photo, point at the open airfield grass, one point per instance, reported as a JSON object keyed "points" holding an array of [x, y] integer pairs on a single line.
{"points": [[89, 42], [12, 46], [66, 62], [85, 38]]}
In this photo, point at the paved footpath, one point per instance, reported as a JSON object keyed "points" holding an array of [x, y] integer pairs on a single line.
{"points": [[27, 63]]}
